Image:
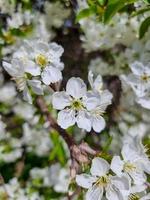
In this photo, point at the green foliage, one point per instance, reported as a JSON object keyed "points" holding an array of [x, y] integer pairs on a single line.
{"points": [[58, 151], [113, 7], [84, 13], [105, 10], [144, 27]]}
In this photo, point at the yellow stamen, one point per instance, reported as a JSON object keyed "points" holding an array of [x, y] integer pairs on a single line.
{"points": [[102, 181], [41, 60], [129, 167], [134, 197]]}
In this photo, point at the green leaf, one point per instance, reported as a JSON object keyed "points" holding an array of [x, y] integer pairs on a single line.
{"points": [[147, 1], [144, 27], [58, 151], [84, 13], [113, 7], [141, 11], [108, 143], [102, 2], [111, 10]]}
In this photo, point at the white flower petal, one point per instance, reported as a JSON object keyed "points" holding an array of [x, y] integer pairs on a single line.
{"points": [[98, 83], [122, 183], [138, 177], [85, 180], [94, 193], [99, 167], [76, 87], [60, 100], [83, 120], [138, 188], [144, 102], [15, 69], [98, 124], [36, 86], [32, 68], [57, 49], [51, 75], [90, 78], [113, 194], [42, 47], [137, 68], [26, 95], [8, 67], [146, 197], [128, 153], [66, 118], [91, 100], [59, 65], [105, 99], [117, 165]]}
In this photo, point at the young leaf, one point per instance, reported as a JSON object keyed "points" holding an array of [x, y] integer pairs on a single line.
{"points": [[141, 11], [113, 7], [144, 27], [84, 13]]}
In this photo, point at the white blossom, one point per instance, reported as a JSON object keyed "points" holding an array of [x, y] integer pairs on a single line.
{"points": [[45, 58], [75, 104], [134, 162], [101, 182]]}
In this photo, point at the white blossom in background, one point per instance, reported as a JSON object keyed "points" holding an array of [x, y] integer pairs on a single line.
{"points": [[11, 150], [101, 182], [25, 111], [46, 58], [18, 69], [98, 36], [8, 93], [2, 129], [63, 181], [35, 58], [20, 18], [54, 176], [57, 13], [13, 190], [40, 29], [80, 106], [139, 81], [6, 6], [36, 140]]}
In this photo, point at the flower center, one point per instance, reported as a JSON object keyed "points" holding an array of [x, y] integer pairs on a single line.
{"points": [[97, 112], [145, 77], [77, 105], [129, 167], [41, 60], [134, 197], [102, 181]]}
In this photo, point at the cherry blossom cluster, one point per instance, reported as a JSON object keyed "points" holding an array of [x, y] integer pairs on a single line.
{"points": [[37, 62], [124, 178], [34, 62]]}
